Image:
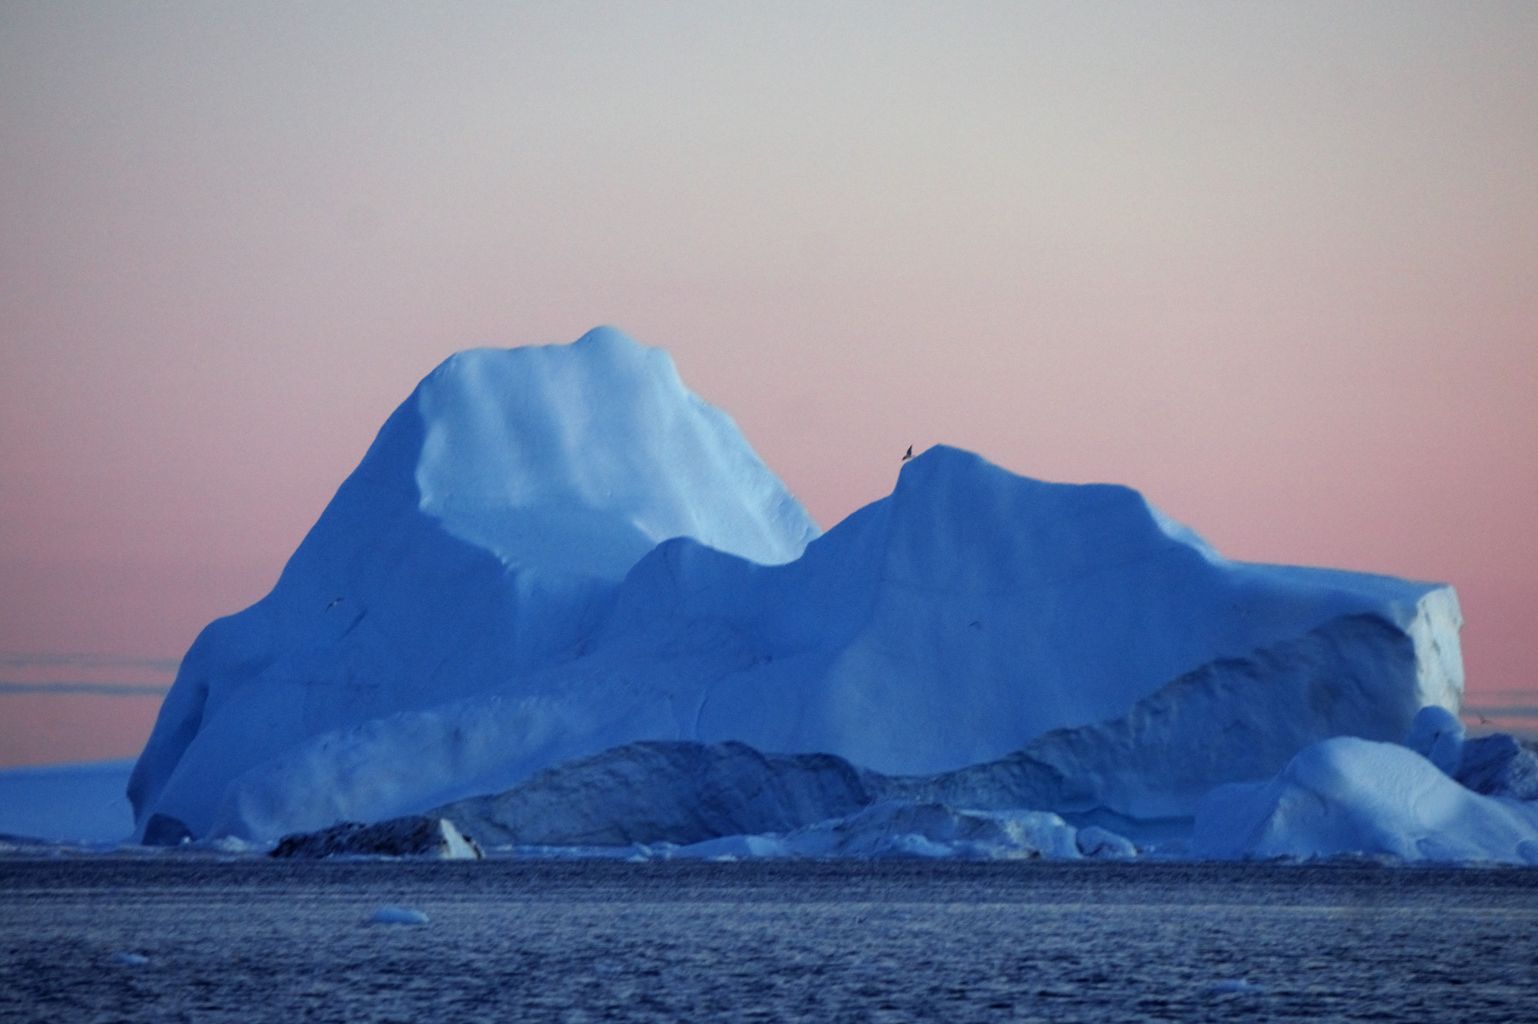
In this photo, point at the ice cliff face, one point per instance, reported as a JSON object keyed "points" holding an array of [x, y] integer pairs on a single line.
{"points": [[1144, 772], [974, 610], [487, 597], [666, 792]]}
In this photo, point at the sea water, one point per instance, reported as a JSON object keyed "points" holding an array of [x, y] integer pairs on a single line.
{"points": [[180, 939]]}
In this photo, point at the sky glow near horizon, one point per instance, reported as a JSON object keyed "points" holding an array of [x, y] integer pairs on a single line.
{"points": [[1275, 266]]}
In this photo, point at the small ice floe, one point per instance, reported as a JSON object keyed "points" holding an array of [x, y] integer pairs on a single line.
{"points": [[1094, 841], [234, 846], [397, 915], [1235, 987], [122, 958]]}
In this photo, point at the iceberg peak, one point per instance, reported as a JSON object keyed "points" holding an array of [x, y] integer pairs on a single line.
{"points": [[581, 458], [945, 470], [613, 337]]}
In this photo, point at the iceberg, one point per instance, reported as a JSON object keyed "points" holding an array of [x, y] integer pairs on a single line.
{"points": [[551, 553], [1353, 797]]}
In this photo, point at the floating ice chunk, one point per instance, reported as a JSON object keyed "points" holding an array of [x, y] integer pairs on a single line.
{"points": [[126, 959], [901, 829], [1352, 797], [1235, 987], [1094, 841], [736, 848], [1031, 834], [234, 846], [397, 915]]}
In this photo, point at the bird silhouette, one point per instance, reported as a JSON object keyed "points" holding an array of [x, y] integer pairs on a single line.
{"points": [[905, 458]]}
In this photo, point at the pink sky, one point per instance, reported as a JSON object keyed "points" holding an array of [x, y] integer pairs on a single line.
{"points": [[1277, 266]]}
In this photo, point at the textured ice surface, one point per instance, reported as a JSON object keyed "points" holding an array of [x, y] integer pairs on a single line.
{"points": [[729, 800], [1500, 765], [904, 830], [679, 793], [1351, 796]]}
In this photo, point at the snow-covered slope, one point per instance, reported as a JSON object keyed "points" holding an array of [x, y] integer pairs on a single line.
{"points": [[1352, 796], [480, 536], [456, 622]]}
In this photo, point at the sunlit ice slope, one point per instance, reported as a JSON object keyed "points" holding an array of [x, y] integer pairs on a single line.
{"points": [[481, 536]]}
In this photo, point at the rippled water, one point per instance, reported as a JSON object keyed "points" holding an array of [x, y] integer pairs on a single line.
{"points": [[176, 939]]}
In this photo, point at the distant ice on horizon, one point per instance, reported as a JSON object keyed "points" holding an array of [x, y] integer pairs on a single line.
{"points": [[85, 803]]}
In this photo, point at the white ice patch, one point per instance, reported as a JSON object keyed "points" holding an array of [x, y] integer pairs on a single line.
{"points": [[1347, 796], [397, 915], [1103, 844]]}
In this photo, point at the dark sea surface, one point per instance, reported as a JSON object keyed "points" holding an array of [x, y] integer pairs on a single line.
{"points": [[179, 939]]}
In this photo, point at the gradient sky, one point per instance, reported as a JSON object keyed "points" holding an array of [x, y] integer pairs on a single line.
{"points": [[1274, 264]]}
